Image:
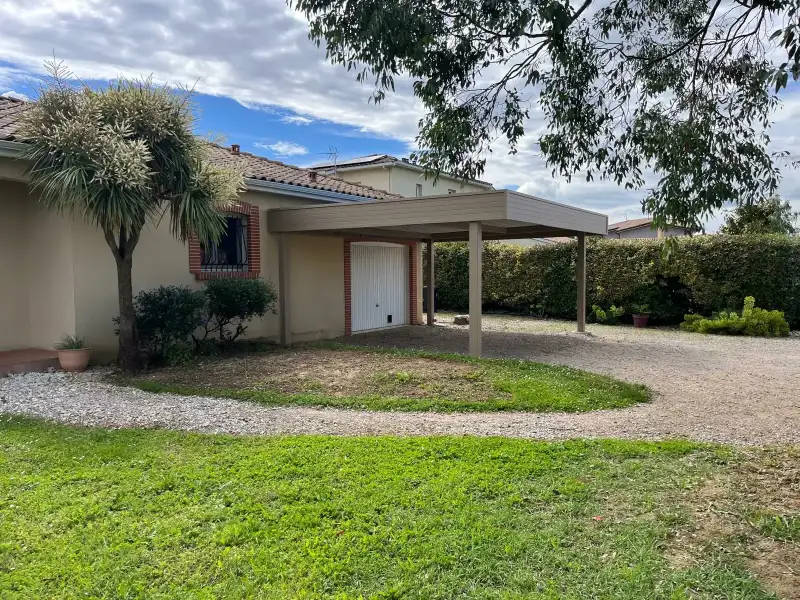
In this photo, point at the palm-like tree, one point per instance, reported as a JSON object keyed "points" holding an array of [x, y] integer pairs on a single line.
{"points": [[120, 157]]}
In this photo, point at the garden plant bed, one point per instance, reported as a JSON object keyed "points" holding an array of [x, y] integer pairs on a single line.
{"points": [[349, 377], [159, 514]]}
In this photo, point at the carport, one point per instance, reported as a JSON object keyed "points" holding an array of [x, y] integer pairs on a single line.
{"points": [[472, 217]]}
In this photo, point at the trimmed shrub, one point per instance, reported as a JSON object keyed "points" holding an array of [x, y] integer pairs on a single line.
{"points": [[233, 302], [169, 317], [704, 275], [753, 321], [608, 316], [166, 318]]}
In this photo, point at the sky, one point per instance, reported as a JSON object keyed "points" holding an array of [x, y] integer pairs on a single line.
{"points": [[261, 83]]}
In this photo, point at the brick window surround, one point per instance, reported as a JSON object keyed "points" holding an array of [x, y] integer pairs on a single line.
{"points": [[253, 248], [413, 317]]}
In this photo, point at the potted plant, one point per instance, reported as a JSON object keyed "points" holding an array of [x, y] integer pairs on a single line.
{"points": [[73, 353], [640, 314]]}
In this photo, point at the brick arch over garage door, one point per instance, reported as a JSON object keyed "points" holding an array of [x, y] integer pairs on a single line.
{"points": [[413, 291]]}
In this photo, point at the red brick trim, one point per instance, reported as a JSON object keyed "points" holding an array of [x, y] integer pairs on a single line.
{"points": [[253, 248], [413, 248]]}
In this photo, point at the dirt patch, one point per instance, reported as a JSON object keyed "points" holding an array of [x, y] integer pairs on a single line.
{"points": [[715, 388], [728, 516], [340, 373]]}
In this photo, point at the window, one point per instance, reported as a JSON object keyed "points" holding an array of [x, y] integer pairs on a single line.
{"points": [[419, 190], [451, 191], [230, 252], [238, 251]]}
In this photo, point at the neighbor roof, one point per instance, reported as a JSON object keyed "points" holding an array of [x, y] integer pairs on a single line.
{"points": [[11, 110], [254, 167], [630, 224], [382, 159]]}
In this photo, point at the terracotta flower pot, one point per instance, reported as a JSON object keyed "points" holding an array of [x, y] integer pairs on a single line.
{"points": [[74, 360], [640, 320]]}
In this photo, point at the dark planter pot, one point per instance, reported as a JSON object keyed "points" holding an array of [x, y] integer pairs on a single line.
{"points": [[640, 320]]}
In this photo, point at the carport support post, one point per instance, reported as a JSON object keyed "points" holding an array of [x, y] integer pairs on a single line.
{"points": [[475, 286], [580, 277], [431, 294], [284, 300]]}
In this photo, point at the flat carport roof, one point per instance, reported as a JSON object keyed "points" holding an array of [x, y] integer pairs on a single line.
{"points": [[503, 214], [479, 216]]}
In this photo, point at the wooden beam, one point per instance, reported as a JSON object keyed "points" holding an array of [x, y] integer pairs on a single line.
{"points": [[284, 291], [580, 277], [475, 287], [431, 283]]}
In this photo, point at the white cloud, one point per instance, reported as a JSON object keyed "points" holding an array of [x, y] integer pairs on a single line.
{"points": [[297, 120], [15, 95], [258, 53], [282, 148]]}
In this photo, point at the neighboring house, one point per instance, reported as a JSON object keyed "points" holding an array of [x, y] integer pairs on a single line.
{"points": [[643, 228], [343, 257], [399, 176]]}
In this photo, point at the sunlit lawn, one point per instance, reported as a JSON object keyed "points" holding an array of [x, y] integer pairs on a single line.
{"points": [[154, 514]]}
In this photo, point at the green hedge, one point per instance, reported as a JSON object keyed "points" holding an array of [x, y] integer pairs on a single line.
{"points": [[703, 274]]}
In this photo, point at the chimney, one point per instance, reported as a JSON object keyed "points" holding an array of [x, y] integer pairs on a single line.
{"points": [[235, 148], [312, 175]]}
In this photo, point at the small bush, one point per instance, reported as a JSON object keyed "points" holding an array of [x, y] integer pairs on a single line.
{"points": [[233, 302], [753, 322], [608, 317], [166, 317]]}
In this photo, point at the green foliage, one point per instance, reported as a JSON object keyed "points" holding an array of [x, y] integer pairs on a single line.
{"points": [[170, 317], [779, 527], [753, 321], [607, 317], [119, 157], [90, 513], [123, 155], [71, 342], [683, 89], [524, 386], [704, 274], [771, 215], [233, 302], [167, 316]]}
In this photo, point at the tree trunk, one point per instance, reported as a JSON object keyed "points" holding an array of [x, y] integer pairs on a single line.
{"points": [[122, 245], [129, 358]]}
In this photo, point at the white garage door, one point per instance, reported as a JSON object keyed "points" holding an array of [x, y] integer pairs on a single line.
{"points": [[379, 285]]}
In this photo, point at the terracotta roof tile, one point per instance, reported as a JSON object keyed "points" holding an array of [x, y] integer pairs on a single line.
{"points": [[258, 167], [254, 167], [630, 224], [11, 110]]}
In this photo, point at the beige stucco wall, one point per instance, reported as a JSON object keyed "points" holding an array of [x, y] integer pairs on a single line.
{"points": [[14, 313], [51, 280], [36, 297], [159, 259], [375, 177], [404, 182]]}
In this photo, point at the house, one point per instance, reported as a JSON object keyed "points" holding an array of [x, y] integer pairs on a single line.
{"points": [[399, 176], [344, 257], [643, 228]]}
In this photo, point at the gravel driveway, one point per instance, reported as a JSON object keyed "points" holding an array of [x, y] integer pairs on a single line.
{"points": [[731, 390]]}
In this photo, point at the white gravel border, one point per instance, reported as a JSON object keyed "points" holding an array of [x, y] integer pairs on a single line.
{"points": [[709, 388]]}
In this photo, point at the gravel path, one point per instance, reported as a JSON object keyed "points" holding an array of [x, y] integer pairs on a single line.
{"points": [[730, 390]]}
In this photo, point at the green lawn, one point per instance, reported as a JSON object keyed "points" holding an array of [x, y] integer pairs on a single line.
{"points": [[153, 514], [343, 376]]}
